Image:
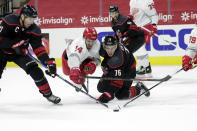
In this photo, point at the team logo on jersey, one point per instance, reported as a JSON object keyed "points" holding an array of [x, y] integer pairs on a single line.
{"points": [[129, 23], [16, 29]]}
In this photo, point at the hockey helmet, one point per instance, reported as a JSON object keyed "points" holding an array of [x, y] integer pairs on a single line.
{"points": [[29, 10], [90, 33], [113, 8], [110, 40]]}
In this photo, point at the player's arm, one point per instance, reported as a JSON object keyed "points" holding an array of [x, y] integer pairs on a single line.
{"points": [[41, 53], [132, 31], [97, 59], [190, 53], [5, 40], [74, 60], [151, 12]]}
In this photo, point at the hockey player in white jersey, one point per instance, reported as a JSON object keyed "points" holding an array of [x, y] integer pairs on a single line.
{"points": [[81, 56], [144, 15], [191, 51]]}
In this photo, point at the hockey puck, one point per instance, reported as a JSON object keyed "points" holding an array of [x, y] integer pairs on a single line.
{"points": [[116, 110]]}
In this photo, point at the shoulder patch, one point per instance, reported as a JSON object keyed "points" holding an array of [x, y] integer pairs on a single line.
{"points": [[35, 30], [122, 19], [12, 19]]}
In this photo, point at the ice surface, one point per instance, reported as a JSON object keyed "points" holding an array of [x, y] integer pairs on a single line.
{"points": [[172, 105]]}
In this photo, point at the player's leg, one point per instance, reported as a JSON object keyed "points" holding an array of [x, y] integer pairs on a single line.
{"points": [[144, 67], [128, 91], [31, 68], [108, 88], [132, 91], [3, 62], [135, 43]]}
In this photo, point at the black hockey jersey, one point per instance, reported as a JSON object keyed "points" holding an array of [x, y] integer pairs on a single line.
{"points": [[12, 32], [125, 26], [120, 64]]}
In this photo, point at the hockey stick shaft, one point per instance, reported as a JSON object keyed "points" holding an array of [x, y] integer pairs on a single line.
{"points": [[81, 90], [129, 79], [28, 54], [169, 77], [105, 105], [158, 36]]}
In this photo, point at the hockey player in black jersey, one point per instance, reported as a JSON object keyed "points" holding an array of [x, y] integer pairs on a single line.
{"points": [[17, 32], [126, 30], [118, 63]]}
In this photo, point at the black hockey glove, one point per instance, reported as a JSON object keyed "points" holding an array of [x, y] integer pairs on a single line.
{"points": [[51, 67], [124, 39]]}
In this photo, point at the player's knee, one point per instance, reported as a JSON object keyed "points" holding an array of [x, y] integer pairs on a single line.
{"points": [[101, 87], [30, 66], [36, 73], [121, 95]]}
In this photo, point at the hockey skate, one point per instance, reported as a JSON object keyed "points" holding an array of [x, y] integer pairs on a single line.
{"points": [[144, 71], [143, 88], [52, 98]]}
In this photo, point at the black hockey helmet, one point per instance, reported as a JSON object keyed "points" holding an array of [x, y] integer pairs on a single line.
{"points": [[113, 8], [110, 40], [29, 10]]}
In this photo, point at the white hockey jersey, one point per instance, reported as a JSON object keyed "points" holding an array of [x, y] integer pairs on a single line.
{"points": [[191, 40], [77, 52], [143, 12]]}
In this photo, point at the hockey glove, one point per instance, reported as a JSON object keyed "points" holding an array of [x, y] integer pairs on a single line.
{"points": [[90, 67], [76, 75], [186, 63], [51, 67], [152, 28], [195, 59], [124, 39]]}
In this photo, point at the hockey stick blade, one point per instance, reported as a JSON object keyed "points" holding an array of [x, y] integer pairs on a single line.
{"points": [[105, 105], [166, 78]]}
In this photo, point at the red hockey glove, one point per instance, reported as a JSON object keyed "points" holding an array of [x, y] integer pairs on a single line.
{"points": [[152, 28], [51, 67], [186, 63], [90, 67], [195, 59], [76, 75]]}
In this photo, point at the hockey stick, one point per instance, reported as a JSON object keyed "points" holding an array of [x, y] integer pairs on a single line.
{"points": [[28, 54], [87, 80], [129, 79], [158, 36], [169, 77], [115, 107]]}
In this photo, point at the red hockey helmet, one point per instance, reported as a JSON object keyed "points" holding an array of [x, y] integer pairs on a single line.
{"points": [[90, 33]]}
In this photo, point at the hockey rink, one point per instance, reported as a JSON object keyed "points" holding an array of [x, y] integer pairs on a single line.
{"points": [[172, 105]]}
